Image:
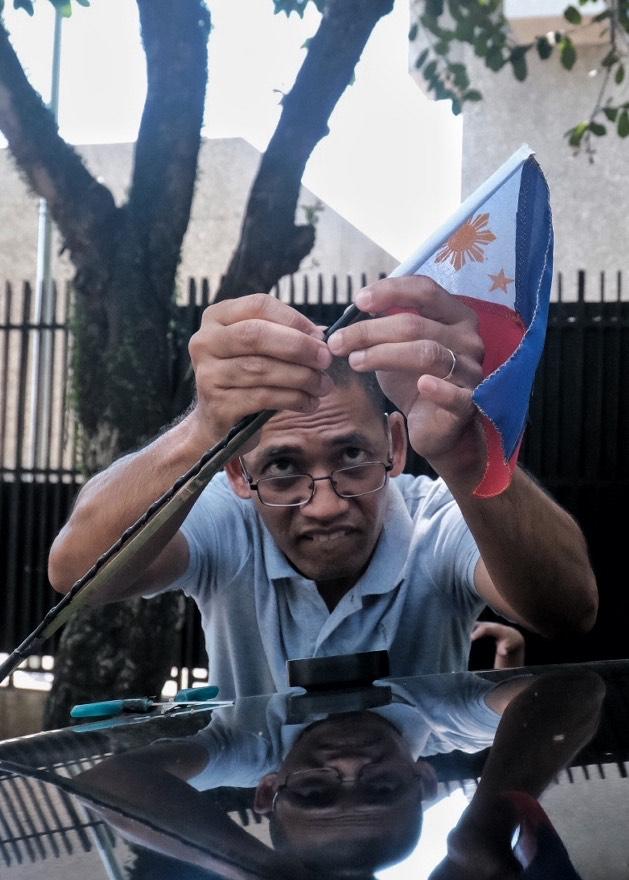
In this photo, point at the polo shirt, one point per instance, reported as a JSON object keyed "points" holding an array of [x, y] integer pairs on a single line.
{"points": [[433, 714], [416, 599]]}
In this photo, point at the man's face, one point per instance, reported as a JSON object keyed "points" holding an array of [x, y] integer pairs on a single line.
{"points": [[330, 538], [361, 826]]}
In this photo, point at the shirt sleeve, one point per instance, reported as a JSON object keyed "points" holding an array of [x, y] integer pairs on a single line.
{"points": [[457, 712], [219, 533], [448, 545]]}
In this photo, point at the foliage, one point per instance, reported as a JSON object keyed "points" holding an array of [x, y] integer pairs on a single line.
{"points": [[444, 25], [63, 6], [311, 212], [297, 6]]}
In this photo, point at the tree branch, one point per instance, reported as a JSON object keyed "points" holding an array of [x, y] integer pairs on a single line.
{"points": [[82, 208], [175, 43], [271, 245]]}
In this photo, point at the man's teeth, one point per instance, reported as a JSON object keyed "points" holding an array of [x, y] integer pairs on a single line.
{"points": [[328, 536]]}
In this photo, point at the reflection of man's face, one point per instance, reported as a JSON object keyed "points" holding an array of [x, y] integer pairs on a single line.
{"points": [[329, 538], [369, 815]]}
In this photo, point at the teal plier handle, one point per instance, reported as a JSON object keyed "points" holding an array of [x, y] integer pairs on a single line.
{"points": [[111, 708]]}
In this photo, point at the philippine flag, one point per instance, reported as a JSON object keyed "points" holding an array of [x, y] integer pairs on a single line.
{"points": [[496, 252]]}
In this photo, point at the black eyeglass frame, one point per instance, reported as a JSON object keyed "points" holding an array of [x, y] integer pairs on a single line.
{"points": [[341, 782], [388, 466]]}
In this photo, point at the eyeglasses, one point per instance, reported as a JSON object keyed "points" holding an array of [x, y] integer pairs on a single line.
{"points": [[296, 490], [375, 785]]}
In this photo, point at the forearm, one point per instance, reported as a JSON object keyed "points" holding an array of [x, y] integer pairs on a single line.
{"points": [[112, 500], [534, 554]]}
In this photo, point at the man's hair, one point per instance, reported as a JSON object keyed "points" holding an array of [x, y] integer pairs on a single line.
{"points": [[342, 375]]}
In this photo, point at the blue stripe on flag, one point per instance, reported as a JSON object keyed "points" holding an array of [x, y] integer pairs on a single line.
{"points": [[504, 396]]}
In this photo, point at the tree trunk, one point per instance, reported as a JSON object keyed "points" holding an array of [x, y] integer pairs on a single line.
{"points": [[127, 385], [125, 650], [271, 244], [128, 345]]}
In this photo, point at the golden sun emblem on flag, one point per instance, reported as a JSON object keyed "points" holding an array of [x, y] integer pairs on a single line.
{"points": [[467, 243]]}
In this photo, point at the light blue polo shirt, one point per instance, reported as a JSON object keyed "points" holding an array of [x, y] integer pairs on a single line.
{"points": [[433, 714], [416, 599]]}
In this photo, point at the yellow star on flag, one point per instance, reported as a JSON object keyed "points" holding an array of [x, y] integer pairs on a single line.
{"points": [[500, 281]]}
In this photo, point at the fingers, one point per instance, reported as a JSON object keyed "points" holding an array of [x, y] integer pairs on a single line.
{"points": [[422, 340], [256, 353], [415, 292], [421, 357], [441, 392], [260, 325], [508, 639], [261, 306], [250, 371]]}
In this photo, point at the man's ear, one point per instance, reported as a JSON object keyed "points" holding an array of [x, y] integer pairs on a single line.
{"points": [[265, 792], [428, 778], [237, 479], [399, 438]]}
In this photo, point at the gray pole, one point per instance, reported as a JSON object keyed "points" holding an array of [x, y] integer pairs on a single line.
{"points": [[41, 364]]}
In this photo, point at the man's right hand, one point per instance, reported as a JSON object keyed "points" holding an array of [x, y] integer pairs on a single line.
{"points": [[250, 354], [255, 353]]}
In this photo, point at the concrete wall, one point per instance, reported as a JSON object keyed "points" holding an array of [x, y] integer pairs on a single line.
{"points": [[226, 170], [589, 199]]}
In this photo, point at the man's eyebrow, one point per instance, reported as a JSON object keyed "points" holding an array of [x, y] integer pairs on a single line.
{"points": [[276, 451], [354, 438]]}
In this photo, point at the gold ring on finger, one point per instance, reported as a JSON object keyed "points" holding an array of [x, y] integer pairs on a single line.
{"points": [[453, 367]]}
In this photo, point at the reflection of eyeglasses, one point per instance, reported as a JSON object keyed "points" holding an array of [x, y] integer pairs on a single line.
{"points": [[297, 490], [375, 785]]}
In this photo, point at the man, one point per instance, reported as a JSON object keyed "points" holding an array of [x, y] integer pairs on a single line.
{"points": [[343, 791], [338, 562]]}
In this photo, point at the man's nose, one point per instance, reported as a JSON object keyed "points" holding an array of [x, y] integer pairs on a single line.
{"points": [[349, 764], [325, 503]]}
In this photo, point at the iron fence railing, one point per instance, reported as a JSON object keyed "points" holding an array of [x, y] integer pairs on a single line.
{"points": [[575, 443]]}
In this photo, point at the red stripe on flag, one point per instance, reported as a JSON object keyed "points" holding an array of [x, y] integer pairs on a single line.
{"points": [[502, 331]]}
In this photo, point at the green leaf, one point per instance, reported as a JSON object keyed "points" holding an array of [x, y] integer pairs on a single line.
{"points": [[26, 5], [472, 95], [459, 75], [598, 129], [430, 69], [572, 14], [620, 74], [421, 58], [623, 124], [568, 54], [575, 135], [456, 106], [610, 59], [434, 7], [611, 113], [412, 34], [63, 7], [465, 31], [544, 48], [494, 60], [518, 62]]}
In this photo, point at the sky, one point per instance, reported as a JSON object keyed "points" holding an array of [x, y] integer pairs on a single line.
{"points": [[392, 161]]}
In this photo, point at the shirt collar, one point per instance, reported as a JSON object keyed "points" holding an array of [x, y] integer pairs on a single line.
{"points": [[386, 567]]}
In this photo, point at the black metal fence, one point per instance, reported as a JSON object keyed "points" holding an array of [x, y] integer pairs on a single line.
{"points": [[575, 443]]}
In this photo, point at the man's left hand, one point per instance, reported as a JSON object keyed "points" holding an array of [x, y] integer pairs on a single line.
{"points": [[410, 343]]}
